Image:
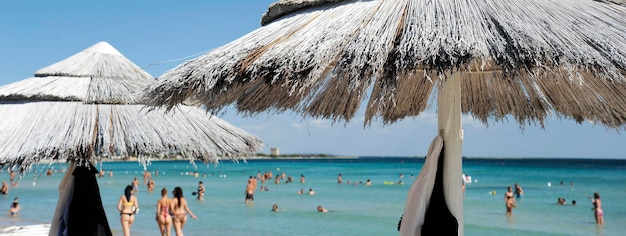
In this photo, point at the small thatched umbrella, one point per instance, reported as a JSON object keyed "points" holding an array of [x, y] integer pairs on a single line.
{"points": [[521, 59], [89, 106]]}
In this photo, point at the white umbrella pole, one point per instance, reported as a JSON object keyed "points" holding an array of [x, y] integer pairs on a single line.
{"points": [[449, 115]]}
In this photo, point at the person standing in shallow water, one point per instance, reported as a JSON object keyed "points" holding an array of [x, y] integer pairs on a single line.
{"points": [[150, 185], [519, 192], [12, 179], [15, 208], [5, 188], [127, 206], [135, 185], [509, 201], [180, 209], [597, 209], [163, 217], [250, 192], [146, 176], [201, 190]]}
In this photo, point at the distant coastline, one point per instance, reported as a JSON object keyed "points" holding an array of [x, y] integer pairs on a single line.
{"points": [[331, 156], [300, 156], [261, 156]]}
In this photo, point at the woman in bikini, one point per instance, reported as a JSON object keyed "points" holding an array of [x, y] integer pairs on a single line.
{"points": [[597, 208], [128, 206], [509, 201], [163, 217], [180, 209]]}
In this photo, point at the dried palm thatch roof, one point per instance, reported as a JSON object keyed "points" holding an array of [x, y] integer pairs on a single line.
{"points": [[523, 58], [89, 106]]}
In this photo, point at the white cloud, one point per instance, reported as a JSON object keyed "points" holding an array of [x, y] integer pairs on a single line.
{"points": [[319, 123], [470, 121], [297, 125], [428, 118]]}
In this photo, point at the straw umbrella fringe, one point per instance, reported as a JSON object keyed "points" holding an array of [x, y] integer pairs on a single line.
{"points": [[72, 130], [325, 60]]}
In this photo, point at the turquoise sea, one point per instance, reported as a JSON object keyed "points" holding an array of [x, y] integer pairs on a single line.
{"points": [[354, 209]]}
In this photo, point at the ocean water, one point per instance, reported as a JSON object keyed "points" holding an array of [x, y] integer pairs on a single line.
{"points": [[354, 209]]}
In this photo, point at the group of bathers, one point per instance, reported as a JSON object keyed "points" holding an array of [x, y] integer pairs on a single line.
{"points": [[165, 212]]}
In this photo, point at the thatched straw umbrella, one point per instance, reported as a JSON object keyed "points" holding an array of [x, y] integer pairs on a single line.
{"points": [[523, 59], [89, 106]]}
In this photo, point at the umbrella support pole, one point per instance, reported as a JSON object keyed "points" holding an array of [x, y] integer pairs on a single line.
{"points": [[449, 124]]}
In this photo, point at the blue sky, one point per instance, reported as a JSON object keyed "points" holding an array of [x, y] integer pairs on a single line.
{"points": [[157, 34]]}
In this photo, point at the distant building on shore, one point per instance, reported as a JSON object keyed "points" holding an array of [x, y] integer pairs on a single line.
{"points": [[274, 152]]}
